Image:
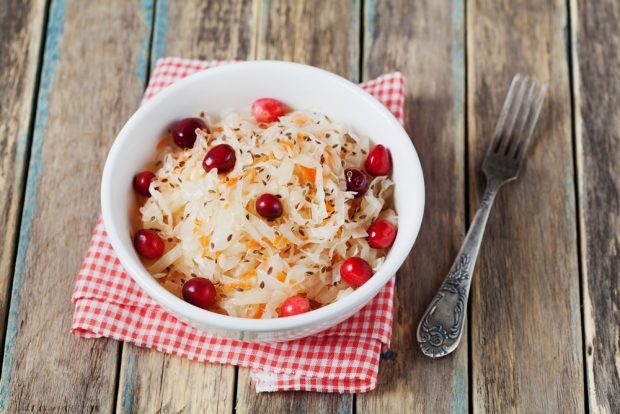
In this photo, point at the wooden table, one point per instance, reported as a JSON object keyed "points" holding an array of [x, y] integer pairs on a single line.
{"points": [[544, 318]]}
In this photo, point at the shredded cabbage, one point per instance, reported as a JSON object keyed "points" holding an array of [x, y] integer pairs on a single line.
{"points": [[212, 230]]}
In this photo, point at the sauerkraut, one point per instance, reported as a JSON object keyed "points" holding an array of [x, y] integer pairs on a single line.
{"points": [[211, 228]]}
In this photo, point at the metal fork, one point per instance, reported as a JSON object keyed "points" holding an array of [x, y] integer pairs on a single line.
{"points": [[441, 326]]}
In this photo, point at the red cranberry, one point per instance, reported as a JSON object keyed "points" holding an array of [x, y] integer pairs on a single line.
{"points": [[269, 206], [267, 109], [381, 234], [199, 292], [295, 305], [379, 161], [222, 157], [184, 131], [355, 271], [148, 244], [142, 181], [357, 181]]}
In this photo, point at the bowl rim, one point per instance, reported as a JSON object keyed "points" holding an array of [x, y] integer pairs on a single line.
{"points": [[360, 297]]}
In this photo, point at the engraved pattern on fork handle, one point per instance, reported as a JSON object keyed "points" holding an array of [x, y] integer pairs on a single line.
{"points": [[441, 327]]}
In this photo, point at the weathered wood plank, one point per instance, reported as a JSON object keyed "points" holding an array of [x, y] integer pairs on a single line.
{"points": [[526, 325], [89, 86], [150, 381], [155, 383], [596, 41], [425, 41], [21, 28], [205, 29], [321, 33], [324, 34]]}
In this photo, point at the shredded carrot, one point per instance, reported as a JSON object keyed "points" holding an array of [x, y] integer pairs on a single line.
{"points": [[280, 239], [232, 182], [175, 276], [281, 276], [204, 241], [305, 174], [251, 175], [175, 288], [336, 257], [288, 144], [248, 275], [264, 158], [177, 216], [197, 224], [162, 142], [252, 244], [260, 309], [300, 120]]}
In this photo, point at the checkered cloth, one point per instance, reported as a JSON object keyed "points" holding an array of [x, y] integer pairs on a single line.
{"points": [[345, 358]]}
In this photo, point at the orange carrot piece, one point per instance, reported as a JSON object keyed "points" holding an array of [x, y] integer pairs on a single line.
{"points": [[259, 311]]}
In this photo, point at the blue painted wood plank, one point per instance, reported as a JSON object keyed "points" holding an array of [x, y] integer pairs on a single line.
{"points": [[33, 327], [143, 56], [160, 31], [21, 37], [50, 59]]}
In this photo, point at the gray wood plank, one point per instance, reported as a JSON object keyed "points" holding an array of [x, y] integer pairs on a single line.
{"points": [[92, 79], [21, 34], [150, 381], [425, 41], [526, 326], [205, 29], [595, 42], [325, 34]]}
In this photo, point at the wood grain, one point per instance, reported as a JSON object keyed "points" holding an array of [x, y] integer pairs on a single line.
{"points": [[325, 34], [21, 28], [322, 33], [525, 326], [89, 86], [425, 41], [596, 41], [150, 381], [205, 29]]}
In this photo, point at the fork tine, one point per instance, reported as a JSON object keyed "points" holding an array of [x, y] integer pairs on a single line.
{"points": [[509, 136], [518, 136], [522, 149], [496, 141]]}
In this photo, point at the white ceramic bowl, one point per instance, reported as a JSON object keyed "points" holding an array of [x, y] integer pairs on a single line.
{"points": [[233, 88]]}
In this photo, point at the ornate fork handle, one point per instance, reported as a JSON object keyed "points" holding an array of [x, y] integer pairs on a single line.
{"points": [[441, 327]]}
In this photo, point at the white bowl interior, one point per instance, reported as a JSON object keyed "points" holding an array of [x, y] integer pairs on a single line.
{"points": [[233, 88]]}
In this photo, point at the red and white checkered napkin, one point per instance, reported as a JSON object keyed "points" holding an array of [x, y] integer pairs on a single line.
{"points": [[345, 358]]}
